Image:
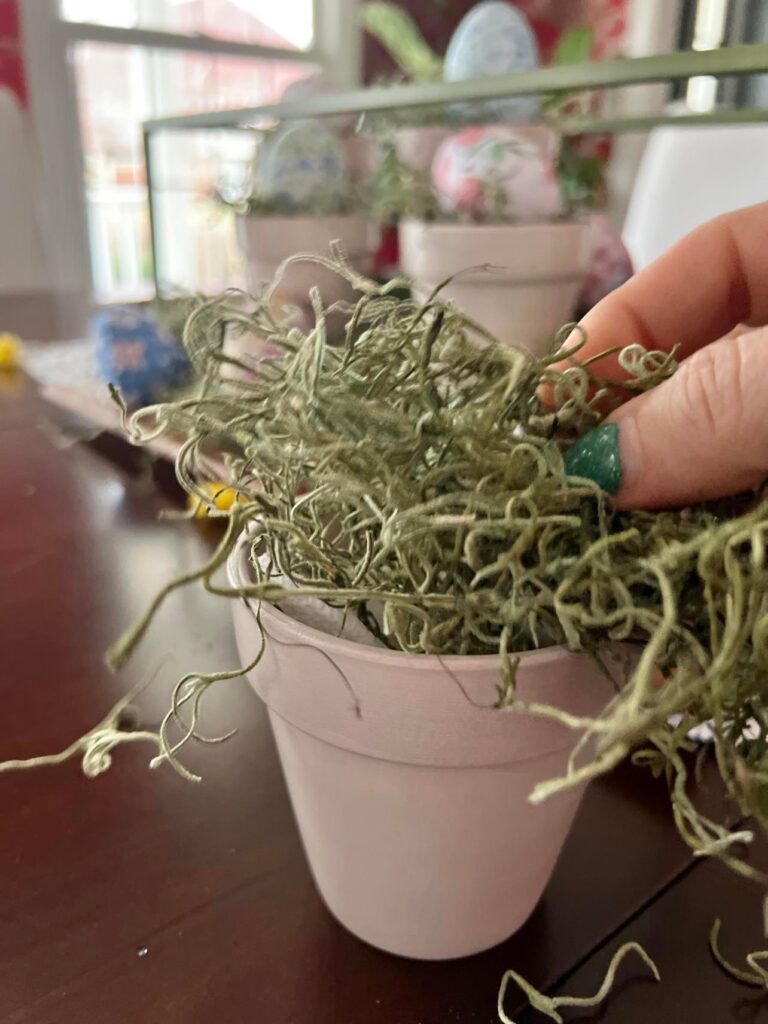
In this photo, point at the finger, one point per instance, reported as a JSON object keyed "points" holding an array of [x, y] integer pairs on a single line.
{"points": [[698, 291], [701, 435]]}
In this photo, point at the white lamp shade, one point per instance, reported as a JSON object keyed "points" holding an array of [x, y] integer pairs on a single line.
{"points": [[690, 175]]}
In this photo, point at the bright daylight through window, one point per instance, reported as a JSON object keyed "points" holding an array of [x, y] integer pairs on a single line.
{"points": [[123, 82]]}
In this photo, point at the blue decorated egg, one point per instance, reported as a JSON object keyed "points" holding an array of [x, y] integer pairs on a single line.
{"points": [[493, 38], [138, 355], [301, 164], [496, 170]]}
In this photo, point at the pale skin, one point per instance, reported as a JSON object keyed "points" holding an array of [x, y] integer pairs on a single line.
{"points": [[703, 434]]}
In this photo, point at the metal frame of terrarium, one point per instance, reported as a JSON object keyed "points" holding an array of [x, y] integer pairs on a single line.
{"points": [[607, 74]]}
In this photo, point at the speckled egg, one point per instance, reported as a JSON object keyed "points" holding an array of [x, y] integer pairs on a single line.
{"points": [[301, 164], [495, 171], [138, 355], [610, 265], [493, 38]]}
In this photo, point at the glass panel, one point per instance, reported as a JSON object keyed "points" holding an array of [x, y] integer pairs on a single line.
{"points": [[118, 88], [283, 23], [198, 249]]}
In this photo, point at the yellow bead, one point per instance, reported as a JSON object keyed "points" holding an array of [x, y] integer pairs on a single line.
{"points": [[221, 498], [10, 351], [225, 497]]}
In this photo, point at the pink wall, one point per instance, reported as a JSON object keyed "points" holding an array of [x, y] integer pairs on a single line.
{"points": [[11, 57]]}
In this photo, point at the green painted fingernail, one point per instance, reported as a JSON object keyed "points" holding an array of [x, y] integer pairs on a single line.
{"points": [[596, 457]]}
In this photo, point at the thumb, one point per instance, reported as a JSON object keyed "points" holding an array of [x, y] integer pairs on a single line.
{"points": [[700, 435]]}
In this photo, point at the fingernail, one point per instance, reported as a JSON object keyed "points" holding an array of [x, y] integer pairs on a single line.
{"points": [[596, 457]]}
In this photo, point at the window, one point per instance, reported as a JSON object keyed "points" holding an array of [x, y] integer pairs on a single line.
{"points": [[285, 24], [104, 66], [708, 34], [121, 83]]}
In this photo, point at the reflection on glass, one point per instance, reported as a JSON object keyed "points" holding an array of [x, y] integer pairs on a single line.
{"points": [[118, 88]]}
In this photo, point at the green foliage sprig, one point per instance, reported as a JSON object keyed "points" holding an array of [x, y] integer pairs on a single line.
{"points": [[257, 205], [397, 192], [398, 33]]}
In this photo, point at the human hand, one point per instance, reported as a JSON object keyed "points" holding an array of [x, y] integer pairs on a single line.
{"points": [[702, 434]]}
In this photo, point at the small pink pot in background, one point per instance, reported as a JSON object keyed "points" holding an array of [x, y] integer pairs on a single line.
{"points": [[267, 241], [410, 789], [518, 281]]}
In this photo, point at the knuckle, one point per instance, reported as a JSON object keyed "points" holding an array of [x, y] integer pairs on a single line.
{"points": [[710, 388]]}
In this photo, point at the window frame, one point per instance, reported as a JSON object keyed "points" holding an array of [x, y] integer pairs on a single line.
{"points": [[55, 125], [161, 39]]}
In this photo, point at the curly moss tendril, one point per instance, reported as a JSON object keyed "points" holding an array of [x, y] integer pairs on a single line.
{"points": [[549, 1005], [756, 976], [416, 480]]}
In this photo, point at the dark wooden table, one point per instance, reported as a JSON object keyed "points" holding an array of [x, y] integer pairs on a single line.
{"points": [[138, 897]]}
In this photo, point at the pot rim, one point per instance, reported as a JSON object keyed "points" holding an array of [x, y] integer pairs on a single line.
{"points": [[455, 225], [317, 638], [273, 218], [423, 129]]}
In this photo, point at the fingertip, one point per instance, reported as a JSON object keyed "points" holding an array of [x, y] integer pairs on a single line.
{"points": [[567, 353], [568, 350]]}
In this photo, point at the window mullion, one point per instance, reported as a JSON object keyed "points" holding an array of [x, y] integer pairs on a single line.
{"points": [[160, 39]]}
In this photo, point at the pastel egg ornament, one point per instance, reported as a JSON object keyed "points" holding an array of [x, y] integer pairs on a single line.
{"points": [[302, 165], [492, 39], [495, 172]]}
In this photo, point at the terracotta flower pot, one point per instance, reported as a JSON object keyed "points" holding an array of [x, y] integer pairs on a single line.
{"points": [[416, 147], [267, 241], [518, 281], [360, 157], [410, 788]]}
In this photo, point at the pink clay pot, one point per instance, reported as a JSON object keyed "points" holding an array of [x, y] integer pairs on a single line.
{"points": [[518, 281], [267, 241], [410, 789]]}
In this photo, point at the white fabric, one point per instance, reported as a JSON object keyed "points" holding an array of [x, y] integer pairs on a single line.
{"points": [[690, 175], [321, 616]]}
